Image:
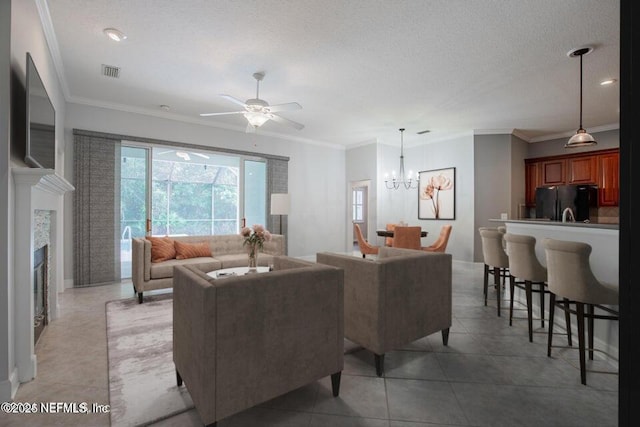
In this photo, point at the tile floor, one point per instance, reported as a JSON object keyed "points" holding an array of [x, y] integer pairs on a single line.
{"points": [[488, 375]]}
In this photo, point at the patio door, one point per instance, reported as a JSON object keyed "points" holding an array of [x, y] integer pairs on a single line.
{"points": [[134, 200]]}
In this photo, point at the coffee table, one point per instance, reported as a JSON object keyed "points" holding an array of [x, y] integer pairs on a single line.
{"points": [[234, 271]]}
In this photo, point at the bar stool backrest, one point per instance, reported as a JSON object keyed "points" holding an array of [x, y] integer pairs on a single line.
{"points": [[492, 250], [523, 262], [570, 274]]}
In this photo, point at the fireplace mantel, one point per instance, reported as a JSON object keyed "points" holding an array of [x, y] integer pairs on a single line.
{"points": [[35, 189]]}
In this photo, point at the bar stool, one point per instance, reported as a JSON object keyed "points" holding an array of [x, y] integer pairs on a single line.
{"points": [[570, 276], [524, 265], [496, 261]]}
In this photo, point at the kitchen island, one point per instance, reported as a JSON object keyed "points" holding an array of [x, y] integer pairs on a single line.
{"points": [[604, 260], [603, 239]]}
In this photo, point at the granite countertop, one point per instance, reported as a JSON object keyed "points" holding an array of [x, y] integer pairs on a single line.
{"points": [[560, 223]]}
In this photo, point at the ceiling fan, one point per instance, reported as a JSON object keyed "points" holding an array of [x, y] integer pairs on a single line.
{"points": [[258, 111]]}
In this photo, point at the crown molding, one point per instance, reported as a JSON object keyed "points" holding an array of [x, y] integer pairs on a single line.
{"points": [[568, 134], [52, 42]]}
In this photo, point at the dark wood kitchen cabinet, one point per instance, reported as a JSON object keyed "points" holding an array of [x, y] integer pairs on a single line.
{"points": [[554, 172], [609, 179], [599, 168]]}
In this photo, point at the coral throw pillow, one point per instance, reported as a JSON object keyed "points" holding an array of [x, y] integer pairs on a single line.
{"points": [[192, 250], [162, 248]]}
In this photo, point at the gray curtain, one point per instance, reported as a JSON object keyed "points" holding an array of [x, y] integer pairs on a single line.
{"points": [[96, 210]]}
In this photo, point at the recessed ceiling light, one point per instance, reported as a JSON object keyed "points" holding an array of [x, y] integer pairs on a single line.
{"points": [[607, 82], [115, 34]]}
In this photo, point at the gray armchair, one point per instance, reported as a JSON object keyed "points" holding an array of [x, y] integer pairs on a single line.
{"points": [[242, 340], [394, 300]]}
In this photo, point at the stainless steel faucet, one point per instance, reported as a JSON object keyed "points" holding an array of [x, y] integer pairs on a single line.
{"points": [[567, 212]]}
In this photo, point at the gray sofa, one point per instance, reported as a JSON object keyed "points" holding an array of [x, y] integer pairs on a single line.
{"points": [[226, 251], [391, 301], [239, 341]]}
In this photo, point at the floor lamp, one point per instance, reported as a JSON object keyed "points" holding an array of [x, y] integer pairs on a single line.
{"points": [[280, 206]]}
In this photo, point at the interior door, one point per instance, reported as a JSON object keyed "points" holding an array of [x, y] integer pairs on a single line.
{"points": [[359, 198]]}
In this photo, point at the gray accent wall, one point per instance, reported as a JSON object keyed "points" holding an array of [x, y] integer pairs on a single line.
{"points": [[492, 183], [554, 147]]}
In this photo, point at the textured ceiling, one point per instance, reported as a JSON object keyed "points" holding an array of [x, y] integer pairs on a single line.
{"points": [[361, 69]]}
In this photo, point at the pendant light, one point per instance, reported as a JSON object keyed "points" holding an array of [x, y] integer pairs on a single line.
{"points": [[402, 180], [581, 138]]}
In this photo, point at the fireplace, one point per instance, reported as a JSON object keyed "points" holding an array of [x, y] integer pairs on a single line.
{"points": [[38, 277], [40, 291]]}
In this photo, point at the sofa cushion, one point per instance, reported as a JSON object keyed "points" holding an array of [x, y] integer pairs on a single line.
{"points": [[165, 269], [192, 250], [162, 248]]}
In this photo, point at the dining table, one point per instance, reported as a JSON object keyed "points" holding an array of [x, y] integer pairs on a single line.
{"points": [[389, 233]]}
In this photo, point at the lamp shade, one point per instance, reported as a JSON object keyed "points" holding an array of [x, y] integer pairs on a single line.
{"points": [[280, 204]]}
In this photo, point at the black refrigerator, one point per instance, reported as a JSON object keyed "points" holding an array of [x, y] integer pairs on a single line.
{"points": [[552, 201]]}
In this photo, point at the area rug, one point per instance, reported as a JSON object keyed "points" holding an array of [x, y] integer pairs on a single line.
{"points": [[142, 379]]}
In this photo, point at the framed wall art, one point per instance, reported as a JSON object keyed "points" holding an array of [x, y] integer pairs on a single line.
{"points": [[437, 194]]}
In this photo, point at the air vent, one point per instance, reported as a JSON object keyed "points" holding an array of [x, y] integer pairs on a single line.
{"points": [[422, 132], [111, 71]]}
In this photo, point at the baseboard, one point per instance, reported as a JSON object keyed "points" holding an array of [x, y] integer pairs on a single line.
{"points": [[68, 283], [9, 387]]}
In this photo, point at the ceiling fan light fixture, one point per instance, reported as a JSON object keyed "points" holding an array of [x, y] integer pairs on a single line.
{"points": [[581, 138], [255, 119]]}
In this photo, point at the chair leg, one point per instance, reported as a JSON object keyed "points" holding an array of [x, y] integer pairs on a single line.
{"points": [[527, 287], [496, 281], [178, 378], [512, 288], [590, 329], [552, 308], [379, 364], [335, 383], [139, 297], [581, 346], [445, 337], [363, 256], [541, 304], [486, 283], [567, 320]]}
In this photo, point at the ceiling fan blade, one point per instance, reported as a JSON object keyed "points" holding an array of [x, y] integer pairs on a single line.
{"points": [[284, 121], [234, 100], [289, 106], [221, 114], [204, 156]]}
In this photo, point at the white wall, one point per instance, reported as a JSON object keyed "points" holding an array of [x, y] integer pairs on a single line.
{"points": [[316, 172], [361, 165], [22, 20], [6, 312]]}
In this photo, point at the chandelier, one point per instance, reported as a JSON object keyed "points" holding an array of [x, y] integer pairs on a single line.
{"points": [[396, 181]]}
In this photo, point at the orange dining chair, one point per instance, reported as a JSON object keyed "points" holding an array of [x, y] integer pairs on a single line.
{"points": [[365, 247], [388, 241], [440, 245], [407, 237]]}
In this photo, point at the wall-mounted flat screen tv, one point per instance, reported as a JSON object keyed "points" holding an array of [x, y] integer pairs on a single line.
{"points": [[41, 122]]}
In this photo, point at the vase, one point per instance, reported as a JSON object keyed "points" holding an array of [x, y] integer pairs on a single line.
{"points": [[253, 260]]}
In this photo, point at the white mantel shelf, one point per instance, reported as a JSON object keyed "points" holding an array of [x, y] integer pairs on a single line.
{"points": [[42, 179], [34, 189]]}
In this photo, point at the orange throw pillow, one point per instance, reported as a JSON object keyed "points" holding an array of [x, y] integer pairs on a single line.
{"points": [[162, 248], [192, 250]]}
